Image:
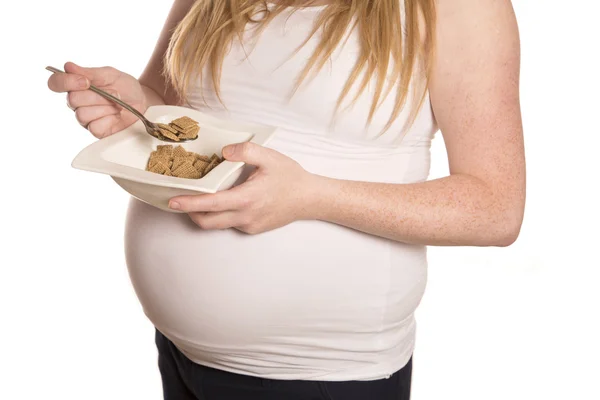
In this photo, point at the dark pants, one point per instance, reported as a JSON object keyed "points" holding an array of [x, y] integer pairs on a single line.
{"points": [[185, 380]]}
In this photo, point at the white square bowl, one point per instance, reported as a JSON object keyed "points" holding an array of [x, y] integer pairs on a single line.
{"points": [[125, 154]]}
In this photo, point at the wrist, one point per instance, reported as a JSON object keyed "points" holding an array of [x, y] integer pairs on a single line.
{"points": [[316, 196]]}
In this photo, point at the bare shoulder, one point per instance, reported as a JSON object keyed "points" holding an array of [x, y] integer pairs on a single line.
{"points": [[475, 83], [486, 27], [476, 40]]}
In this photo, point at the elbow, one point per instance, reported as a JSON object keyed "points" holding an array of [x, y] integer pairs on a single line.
{"points": [[508, 238], [502, 218], [507, 230]]}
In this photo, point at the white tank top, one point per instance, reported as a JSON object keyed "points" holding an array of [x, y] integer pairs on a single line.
{"points": [[311, 300]]}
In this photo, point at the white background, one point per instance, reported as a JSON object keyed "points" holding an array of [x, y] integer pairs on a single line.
{"points": [[516, 323]]}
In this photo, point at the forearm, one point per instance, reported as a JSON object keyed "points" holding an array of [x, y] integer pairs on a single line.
{"points": [[458, 210], [152, 97]]}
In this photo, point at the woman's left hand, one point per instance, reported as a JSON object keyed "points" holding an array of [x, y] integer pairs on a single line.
{"points": [[277, 193]]}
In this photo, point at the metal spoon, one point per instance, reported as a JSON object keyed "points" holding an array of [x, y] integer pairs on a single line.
{"points": [[151, 128]]}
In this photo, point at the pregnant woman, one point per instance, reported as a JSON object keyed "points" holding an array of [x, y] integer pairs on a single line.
{"points": [[301, 282]]}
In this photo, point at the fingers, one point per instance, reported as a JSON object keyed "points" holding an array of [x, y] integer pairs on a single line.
{"points": [[102, 76], [100, 116], [104, 126], [61, 83], [222, 201], [80, 78], [88, 98], [215, 221], [85, 115], [250, 153]]}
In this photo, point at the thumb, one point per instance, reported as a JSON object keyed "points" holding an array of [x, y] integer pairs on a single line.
{"points": [[103, 76], [249, 153]]}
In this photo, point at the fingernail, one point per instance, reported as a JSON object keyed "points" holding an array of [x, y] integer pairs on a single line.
{"points": [[174, 205], [228, 150], [83, 83]]}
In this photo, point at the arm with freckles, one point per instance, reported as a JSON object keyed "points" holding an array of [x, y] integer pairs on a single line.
{"points": [[475, 97]]}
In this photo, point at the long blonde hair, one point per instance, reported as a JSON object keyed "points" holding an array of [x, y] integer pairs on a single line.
{"points": [[387, 55]]}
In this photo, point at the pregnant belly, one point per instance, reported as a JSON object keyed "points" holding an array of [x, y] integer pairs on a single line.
{"points": [[310, 289]]}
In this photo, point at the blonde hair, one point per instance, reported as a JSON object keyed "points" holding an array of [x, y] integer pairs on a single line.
{"points": [[387, 54]]}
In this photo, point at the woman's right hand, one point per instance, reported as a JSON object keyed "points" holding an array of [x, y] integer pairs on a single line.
{"points": [[100, 116]]}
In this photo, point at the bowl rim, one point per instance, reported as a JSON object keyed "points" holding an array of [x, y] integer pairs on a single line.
{"points": [[90, 158]]}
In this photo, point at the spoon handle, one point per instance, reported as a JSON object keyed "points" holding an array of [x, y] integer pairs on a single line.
{"points": [[109, 97]]}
